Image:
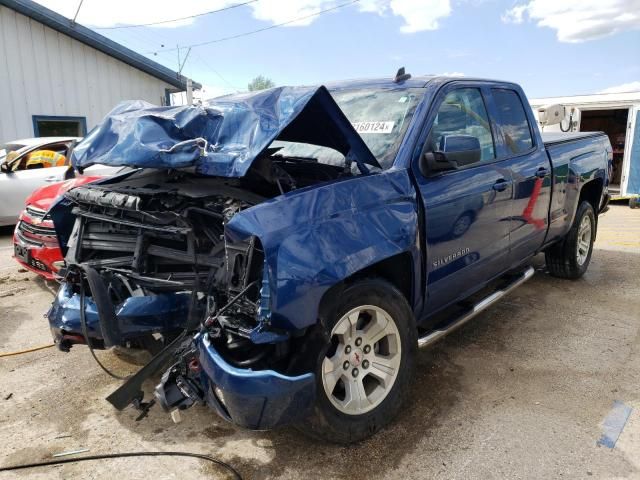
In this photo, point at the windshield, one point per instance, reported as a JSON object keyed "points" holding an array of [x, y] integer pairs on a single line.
{"points": [[381, 117]]}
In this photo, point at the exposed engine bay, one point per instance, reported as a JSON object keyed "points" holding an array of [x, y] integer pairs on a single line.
{"points": [[157, 232], [168, 256]]}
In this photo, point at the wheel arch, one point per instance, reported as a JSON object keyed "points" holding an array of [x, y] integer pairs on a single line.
{"points": [[592, 193], [398, 270]]}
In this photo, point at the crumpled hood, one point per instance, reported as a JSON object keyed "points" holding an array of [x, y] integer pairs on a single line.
{"points": [[223, 137]]}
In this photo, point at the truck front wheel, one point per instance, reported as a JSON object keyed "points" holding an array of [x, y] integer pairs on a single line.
{"points": [[364, 370], [570, 257]]}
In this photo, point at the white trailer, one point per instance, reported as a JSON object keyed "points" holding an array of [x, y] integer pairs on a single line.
{"points": [[616, 114]]}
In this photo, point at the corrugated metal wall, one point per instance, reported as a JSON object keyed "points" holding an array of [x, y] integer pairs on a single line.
{"points": [[43, 72]]}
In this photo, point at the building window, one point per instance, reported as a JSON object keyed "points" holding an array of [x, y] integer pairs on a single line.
{"points": [[52, 126]]}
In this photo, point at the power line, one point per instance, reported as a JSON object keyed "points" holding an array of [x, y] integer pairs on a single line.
{"points": [[207, 65], [244, 34], [177, 19]]}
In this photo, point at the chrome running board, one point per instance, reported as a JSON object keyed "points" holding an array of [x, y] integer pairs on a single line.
{"points": [[437, 334]]}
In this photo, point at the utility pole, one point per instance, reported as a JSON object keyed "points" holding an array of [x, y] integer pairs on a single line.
{"points": [[189, 83], [189, 92], [77, 12]]}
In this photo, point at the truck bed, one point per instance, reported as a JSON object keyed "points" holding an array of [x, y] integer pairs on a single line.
{"points": [[556, 138]]}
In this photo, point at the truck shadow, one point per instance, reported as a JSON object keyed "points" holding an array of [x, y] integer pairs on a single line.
{"points": [[272, 454], [441, 381], [11, 319]]}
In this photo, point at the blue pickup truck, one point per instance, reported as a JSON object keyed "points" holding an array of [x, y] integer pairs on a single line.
{"points": [[284, 253]]}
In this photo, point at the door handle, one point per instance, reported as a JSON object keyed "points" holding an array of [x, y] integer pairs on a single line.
{"points": [[542, 172], [51, 178], [501, 185]]}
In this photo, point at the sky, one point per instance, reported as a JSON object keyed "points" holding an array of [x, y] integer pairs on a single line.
{"points": [[550, 47]]}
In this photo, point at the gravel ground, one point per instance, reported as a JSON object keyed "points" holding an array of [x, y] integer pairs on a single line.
{"points": [[520, 392]]}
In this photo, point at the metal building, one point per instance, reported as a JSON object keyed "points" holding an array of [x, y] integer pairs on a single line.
{"points": [[58, 78]]}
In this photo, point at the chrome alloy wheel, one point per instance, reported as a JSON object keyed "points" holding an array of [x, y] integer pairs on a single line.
{"points": [[363, 361], [584, 240]]}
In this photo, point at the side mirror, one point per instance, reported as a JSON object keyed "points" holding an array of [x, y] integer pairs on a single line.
{"points": [[454, 151], [4, 167]]}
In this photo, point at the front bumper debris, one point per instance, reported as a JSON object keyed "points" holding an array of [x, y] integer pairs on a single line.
{"points": [[137, 316], [254, 399]]}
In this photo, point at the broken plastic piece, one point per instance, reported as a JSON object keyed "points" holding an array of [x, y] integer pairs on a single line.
{"points": [[175, 416]]}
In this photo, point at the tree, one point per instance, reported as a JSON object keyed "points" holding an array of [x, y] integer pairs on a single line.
{"points": [[260, 83]]}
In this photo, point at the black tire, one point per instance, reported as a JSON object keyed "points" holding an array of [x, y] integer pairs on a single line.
{"points": [[328, 423], [562, 258]]}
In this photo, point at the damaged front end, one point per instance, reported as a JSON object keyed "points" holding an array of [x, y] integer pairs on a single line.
{"points": [[150, 257]]}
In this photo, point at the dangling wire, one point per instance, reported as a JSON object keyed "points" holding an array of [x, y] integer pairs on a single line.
{"points": [[570, 124], [85, 333]]}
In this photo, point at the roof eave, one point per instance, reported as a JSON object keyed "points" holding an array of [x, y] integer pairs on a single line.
{"points": [[99, 42]]}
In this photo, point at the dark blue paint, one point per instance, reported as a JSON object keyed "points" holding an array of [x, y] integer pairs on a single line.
{"points": [[223, 137], [316, 237], [574, 165], [457, 228], [259, 399], [137, 316]]}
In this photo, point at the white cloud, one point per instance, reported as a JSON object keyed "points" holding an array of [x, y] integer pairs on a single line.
{"points": [[417, 15], [420, 15], [625, 87], [578, 20]]}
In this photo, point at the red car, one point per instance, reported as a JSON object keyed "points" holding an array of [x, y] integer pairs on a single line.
{"points": [[35, 244]]}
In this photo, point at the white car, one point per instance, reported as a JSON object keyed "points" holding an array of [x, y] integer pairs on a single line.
{"points": [[17, 182]]}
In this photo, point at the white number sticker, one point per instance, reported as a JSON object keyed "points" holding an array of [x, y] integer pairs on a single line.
{"points": [[373, 127]]}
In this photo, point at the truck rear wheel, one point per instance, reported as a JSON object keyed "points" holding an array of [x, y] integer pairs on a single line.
{"points": [[570, 257], [362, 375]]}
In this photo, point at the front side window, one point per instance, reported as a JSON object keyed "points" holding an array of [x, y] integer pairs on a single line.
{"points": [[463, 112], [10, 151], [513, 121], [52, 155]]}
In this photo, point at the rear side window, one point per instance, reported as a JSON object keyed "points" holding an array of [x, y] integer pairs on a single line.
{"points": [[513, 121]]}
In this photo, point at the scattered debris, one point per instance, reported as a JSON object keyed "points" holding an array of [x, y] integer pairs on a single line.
{"points": [[7, 397], [70, 452], [7, 292], [613, 424]]}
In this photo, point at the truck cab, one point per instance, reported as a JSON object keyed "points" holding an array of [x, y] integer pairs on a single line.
{"points": [[493, 199], [293, 255]]}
